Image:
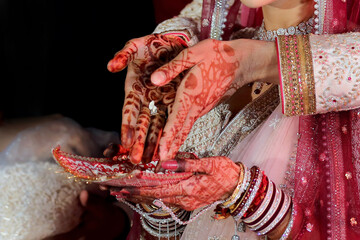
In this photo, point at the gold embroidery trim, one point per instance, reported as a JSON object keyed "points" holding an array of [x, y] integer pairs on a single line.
{"points": [[297, 75], [308, 76], [247, 120]]}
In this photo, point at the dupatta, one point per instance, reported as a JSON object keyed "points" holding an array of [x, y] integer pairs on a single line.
{"points": [[328, 159]]}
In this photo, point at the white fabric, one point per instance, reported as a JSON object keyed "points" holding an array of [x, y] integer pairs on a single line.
{"points": [[37, 200]]}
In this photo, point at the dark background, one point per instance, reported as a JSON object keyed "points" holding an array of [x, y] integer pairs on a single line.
{"points": [[53, 56]]}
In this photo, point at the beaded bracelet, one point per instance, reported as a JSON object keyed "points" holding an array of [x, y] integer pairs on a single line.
{"points": [[259, 181], [258, 202], [251, 197], [240, 199]]}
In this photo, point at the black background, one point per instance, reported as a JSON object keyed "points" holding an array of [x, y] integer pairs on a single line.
{"points": [[54, 56]]}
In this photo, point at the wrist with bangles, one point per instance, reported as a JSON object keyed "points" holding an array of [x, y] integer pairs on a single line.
{"points": [[256, 202]]}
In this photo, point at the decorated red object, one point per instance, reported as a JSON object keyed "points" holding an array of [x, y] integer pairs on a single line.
{"points": [[260, 195], [121, 172]]}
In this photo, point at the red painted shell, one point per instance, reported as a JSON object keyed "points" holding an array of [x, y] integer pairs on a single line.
{"points": [[117, 173]]}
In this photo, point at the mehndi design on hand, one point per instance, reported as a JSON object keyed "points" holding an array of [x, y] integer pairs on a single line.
{"points": [[213, 75], [143, 56], [215, 178]]}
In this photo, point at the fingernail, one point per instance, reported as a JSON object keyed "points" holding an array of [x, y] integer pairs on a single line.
{"points": [[125, 192], [130, 133], [158, 77], [171, 165], [114, 193], [135, 158], [127, 136], [110, 66], [118, 197]]}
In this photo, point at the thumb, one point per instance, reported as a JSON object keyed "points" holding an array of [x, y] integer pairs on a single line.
{"points": [[172, 69]]}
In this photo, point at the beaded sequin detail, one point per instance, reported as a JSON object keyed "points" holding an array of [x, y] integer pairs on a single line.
{"points": [[269, 35], [219, 19]]}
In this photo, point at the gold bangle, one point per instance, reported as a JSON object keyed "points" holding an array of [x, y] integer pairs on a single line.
{"points": [[234, 207], [236, 193]]}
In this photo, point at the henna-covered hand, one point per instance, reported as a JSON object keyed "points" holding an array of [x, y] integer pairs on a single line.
{"points": [[216, 69], [215, 179], [139, 130]]}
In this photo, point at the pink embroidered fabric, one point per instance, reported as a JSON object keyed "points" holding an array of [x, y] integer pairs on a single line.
{"points": [[336, 69]]}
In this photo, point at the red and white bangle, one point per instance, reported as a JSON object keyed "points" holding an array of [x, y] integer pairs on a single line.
{"points": [[274, 205], [251, 197], [278, 218], [270, 195]]}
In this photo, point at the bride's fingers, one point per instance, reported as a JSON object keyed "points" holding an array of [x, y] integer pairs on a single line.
{"points": [[157, 123], [141, 130], [130, 115], [183, 133], [203, 165], [123, 57], [186, 97], [157, 192]]}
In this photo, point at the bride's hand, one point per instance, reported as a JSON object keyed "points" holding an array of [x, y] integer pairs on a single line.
{"points": [[143, 56], [215, 178], [216, 69]]}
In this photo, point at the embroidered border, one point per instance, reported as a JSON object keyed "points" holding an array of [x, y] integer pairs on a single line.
{"points": [[297, 75], [245, 122]]}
